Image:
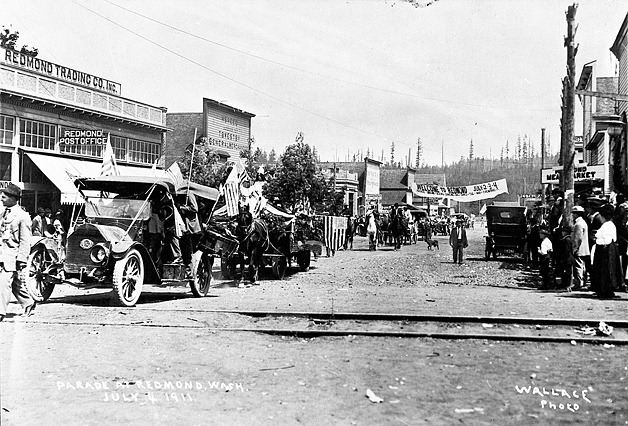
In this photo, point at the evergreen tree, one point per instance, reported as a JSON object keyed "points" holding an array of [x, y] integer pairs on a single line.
{"points": [[471, 151], [392, 153]]}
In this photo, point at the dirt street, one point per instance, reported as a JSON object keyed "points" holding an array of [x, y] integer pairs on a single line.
{"points": [[169, 360]]}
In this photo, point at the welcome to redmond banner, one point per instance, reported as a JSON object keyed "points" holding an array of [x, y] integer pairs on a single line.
{"points": [[480, 191]]}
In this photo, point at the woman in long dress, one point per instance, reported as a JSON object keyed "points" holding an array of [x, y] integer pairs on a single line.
{"points": [[606, 274]]}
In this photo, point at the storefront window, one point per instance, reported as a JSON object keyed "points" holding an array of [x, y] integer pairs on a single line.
{"points": [[35, 134], [119, 147], [7, 124], [143, 152], [91, 150]]}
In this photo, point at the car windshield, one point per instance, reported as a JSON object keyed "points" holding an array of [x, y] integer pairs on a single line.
{"points": [[118, 208]]}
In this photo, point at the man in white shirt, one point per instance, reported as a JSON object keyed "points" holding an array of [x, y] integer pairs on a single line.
{"points": [[580, 238]]}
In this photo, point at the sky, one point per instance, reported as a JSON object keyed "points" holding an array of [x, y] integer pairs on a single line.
{"points": [[351, 75]]}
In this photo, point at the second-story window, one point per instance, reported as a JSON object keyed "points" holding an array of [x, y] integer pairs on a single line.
{"points": [[7, 126], [35, 134]]}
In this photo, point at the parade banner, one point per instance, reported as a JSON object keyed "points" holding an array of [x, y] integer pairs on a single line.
{"points": [[480, 191]]}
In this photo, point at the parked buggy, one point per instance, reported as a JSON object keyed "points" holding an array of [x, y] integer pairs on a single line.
{"points": [[507, 231], [109, 250]]}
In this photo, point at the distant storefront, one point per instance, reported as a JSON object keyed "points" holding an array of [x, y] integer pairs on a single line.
{"points": [[224, 128], [55, 122]]}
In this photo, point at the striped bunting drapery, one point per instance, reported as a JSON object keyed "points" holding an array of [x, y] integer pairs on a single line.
{"points": [[109, 166], [232, 192], [334, 231]]}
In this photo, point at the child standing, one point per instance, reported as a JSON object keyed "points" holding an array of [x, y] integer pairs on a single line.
{"points": [[545, 260]]}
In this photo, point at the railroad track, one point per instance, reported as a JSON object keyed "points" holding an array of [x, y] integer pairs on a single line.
{"points": [[320, 324]]}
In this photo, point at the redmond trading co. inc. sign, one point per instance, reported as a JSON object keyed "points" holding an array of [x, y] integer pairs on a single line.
{"points": [[50, 69], [82, 137], [580, 173]]}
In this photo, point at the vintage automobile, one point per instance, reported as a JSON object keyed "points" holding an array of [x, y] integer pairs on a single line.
{"points": [[507, 230], [109, 248]]}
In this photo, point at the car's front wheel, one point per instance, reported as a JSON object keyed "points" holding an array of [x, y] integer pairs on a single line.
{"points": [[128, 279], [39, 275]]}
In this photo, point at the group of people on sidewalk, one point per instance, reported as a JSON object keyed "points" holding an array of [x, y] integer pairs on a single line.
{"points": [[591, 255]]}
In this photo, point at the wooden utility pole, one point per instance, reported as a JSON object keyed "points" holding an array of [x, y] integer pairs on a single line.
{"points": [[567, 123], [543, 186]]}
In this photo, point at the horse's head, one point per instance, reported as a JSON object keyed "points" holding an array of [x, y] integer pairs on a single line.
{"points": [[244, 220]]}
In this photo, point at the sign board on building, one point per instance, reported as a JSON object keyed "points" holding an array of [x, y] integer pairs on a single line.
{"points": [[226, 128], [581, 173], [82, 137], [371, 179], [50, 69]]}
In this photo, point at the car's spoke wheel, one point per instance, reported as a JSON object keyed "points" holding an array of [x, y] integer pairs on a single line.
{"points": [[36, 275], [128, 279], [202, 276]]}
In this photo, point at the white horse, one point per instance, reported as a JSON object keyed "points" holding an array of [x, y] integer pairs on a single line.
{"points": [[371, 231]]}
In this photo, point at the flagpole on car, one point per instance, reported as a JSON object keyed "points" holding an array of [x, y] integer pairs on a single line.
{"points": [[191, 163]]}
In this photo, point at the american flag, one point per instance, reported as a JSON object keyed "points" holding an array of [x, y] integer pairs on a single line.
{"points": [[232, 192], [334, 229], [174, 172], [109, 166]]}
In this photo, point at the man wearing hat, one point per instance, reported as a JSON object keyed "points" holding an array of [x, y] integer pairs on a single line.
{"points": [[580, 239], [39, 222], [15, 236], [458, 241]]}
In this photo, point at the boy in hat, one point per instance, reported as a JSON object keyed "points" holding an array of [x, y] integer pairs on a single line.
{"points": [[545, 258], [15, 236]]}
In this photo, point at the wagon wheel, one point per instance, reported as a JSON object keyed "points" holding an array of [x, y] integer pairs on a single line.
{"points": [[128, 279], [202, 276], [303, 259], [35, 277], [227, 268], [279, 267]]}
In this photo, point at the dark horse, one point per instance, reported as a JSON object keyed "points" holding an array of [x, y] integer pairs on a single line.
{"points": [[253, 238], [398, 226]]}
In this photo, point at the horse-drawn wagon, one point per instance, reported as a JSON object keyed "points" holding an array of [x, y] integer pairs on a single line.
{"points": [[507, 230], [283, 242]]}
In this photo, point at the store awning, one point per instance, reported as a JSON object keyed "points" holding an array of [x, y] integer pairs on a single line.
{"points": [[62, 171]]}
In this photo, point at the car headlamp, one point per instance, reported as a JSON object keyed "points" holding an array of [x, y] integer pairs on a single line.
{"points": [[99, 254]]}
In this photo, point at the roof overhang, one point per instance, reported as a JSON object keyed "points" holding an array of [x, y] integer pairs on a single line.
{"points": [[59, 105]]}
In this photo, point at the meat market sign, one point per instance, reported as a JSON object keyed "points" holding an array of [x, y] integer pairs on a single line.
{"points": [[50, 69], [581, 173]]}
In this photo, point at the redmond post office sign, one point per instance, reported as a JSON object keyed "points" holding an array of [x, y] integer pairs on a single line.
{"points": [[82, 137], [580, 173]]}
